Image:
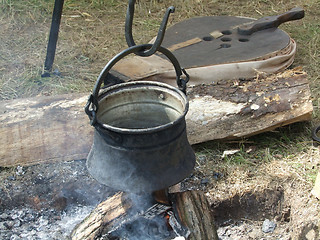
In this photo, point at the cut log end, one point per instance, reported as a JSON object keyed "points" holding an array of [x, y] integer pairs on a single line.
{"points": [[194, 212]]}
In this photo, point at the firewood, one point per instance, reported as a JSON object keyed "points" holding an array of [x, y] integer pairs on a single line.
{"points": [[194, 212], [105, 216], [191, 207]]}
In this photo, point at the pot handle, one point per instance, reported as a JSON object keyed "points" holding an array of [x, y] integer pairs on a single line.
{"points": [[92, 105]]}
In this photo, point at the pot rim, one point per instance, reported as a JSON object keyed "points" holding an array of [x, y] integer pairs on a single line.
{"points": [[116, 87]]}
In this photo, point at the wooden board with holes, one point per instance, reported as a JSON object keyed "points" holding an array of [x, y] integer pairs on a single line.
{"points": [[212, 40], [211, 49], [55, 128]]}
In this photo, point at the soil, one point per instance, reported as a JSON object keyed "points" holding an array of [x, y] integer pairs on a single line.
{"points": [[46, 201]]}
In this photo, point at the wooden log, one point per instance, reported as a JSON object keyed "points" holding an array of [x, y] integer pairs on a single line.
{"points": [[194, 212], [105, 216], [49, 129], [192, 208], [44, 129], [241, 108]]}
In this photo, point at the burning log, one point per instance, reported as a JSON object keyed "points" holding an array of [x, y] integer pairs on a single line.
{"points": [[191, 208], [105, 216]]}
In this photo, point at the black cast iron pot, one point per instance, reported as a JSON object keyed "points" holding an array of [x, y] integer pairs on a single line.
{"points": [[140, 140]]}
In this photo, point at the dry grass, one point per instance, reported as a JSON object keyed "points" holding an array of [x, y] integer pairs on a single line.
{"points": [[276, 158], [92, 32]]}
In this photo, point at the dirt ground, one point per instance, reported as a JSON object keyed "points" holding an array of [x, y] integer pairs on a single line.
{"points": [[36, 202]]}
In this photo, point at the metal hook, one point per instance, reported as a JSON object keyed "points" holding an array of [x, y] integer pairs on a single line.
{"points": [[160, 36]]}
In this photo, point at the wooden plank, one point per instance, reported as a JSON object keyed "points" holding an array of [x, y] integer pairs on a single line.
{"points": [[48, 129]]}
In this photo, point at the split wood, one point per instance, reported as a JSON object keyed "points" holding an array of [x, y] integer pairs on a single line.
{"points": [[192, 208]]}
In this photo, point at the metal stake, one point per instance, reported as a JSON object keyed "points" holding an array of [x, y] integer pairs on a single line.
{"points": [[53, 37]]}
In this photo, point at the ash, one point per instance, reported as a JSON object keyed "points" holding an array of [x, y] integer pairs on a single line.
{"points": [[154, 229], [48, 224], [46, 201]]}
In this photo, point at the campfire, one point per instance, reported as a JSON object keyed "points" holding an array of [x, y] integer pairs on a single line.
{"points": [[156, 222], [180, 215], [72, 201], [140, 147]]}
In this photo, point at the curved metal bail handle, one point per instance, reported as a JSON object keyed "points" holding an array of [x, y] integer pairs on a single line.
{"points": [[92, 105], [161, 32], [134, 49]]}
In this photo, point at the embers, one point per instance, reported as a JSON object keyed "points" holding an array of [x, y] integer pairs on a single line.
{"points": [[155, 222], [142, 228], [163, 226]]}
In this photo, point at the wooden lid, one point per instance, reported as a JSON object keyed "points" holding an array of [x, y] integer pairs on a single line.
{"points": [[210, 40]]}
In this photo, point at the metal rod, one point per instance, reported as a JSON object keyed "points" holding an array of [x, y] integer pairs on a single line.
{"points": [[53, 37], [128, 24]]}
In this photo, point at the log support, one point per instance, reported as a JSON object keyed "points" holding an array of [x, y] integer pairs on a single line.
{"points": [[52, 129], [191, 210]]}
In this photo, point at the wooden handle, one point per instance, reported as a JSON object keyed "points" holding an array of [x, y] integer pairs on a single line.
{"points": [[271, 21]]}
